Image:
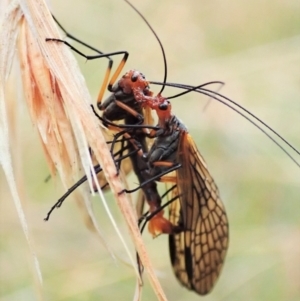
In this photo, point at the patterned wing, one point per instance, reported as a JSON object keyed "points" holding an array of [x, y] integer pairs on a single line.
{"points": [[198, 252]]}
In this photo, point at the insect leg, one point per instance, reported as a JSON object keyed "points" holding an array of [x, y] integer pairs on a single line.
{"points": [[81, 181], [91, 57]]}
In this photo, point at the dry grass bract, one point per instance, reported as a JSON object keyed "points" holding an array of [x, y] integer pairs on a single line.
{"points": [[59, 105]]}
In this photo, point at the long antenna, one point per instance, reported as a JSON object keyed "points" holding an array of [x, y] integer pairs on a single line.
{"points": [[215, 95], [158, 40]]}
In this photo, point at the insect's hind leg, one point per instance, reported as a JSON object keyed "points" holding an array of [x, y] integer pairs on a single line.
{"points": [[148, 216]]}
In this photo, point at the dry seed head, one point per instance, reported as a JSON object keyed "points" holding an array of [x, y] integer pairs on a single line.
{"points": [[59, 105]]}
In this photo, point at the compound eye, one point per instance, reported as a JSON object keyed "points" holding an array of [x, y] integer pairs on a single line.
{"points": [[163, 106], [134, 77]]}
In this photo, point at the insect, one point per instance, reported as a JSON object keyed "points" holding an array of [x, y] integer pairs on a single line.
{"points": [[198, 251], [198, 225], [116, 108]]}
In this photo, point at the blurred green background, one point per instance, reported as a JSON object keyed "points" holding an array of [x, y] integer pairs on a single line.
{"points": [[254, 47]]}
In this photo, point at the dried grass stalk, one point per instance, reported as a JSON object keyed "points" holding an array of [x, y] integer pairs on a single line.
{"points": [[59, 104], [10, 17]]}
